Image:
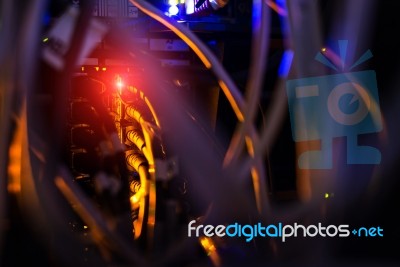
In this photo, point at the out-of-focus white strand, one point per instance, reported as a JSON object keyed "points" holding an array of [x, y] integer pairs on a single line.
{"points": [[353, 22], [305, 35], [260, 45]]}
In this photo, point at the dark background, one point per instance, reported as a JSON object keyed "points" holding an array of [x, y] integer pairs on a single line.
{"points": [[357, 208]]}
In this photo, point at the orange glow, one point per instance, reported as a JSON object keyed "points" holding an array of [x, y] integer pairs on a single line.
{"points": [[211, 250], [152, 205], [278, 9], [134, 201], [14, 166], [153, 112], [119, 83], [256, 185], [232, 101], [138, 201], [208, 245], [146, 100], [250, 145]]}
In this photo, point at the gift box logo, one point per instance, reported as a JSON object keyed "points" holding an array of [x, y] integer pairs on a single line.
{"points": [[338, 105]]}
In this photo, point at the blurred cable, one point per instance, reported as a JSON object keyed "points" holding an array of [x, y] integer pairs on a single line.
{"points": [[208, 58], [7, 69], [353, 21], [101, 227], [302, 35], [19, 35], [261, 34], [245, 130]]}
